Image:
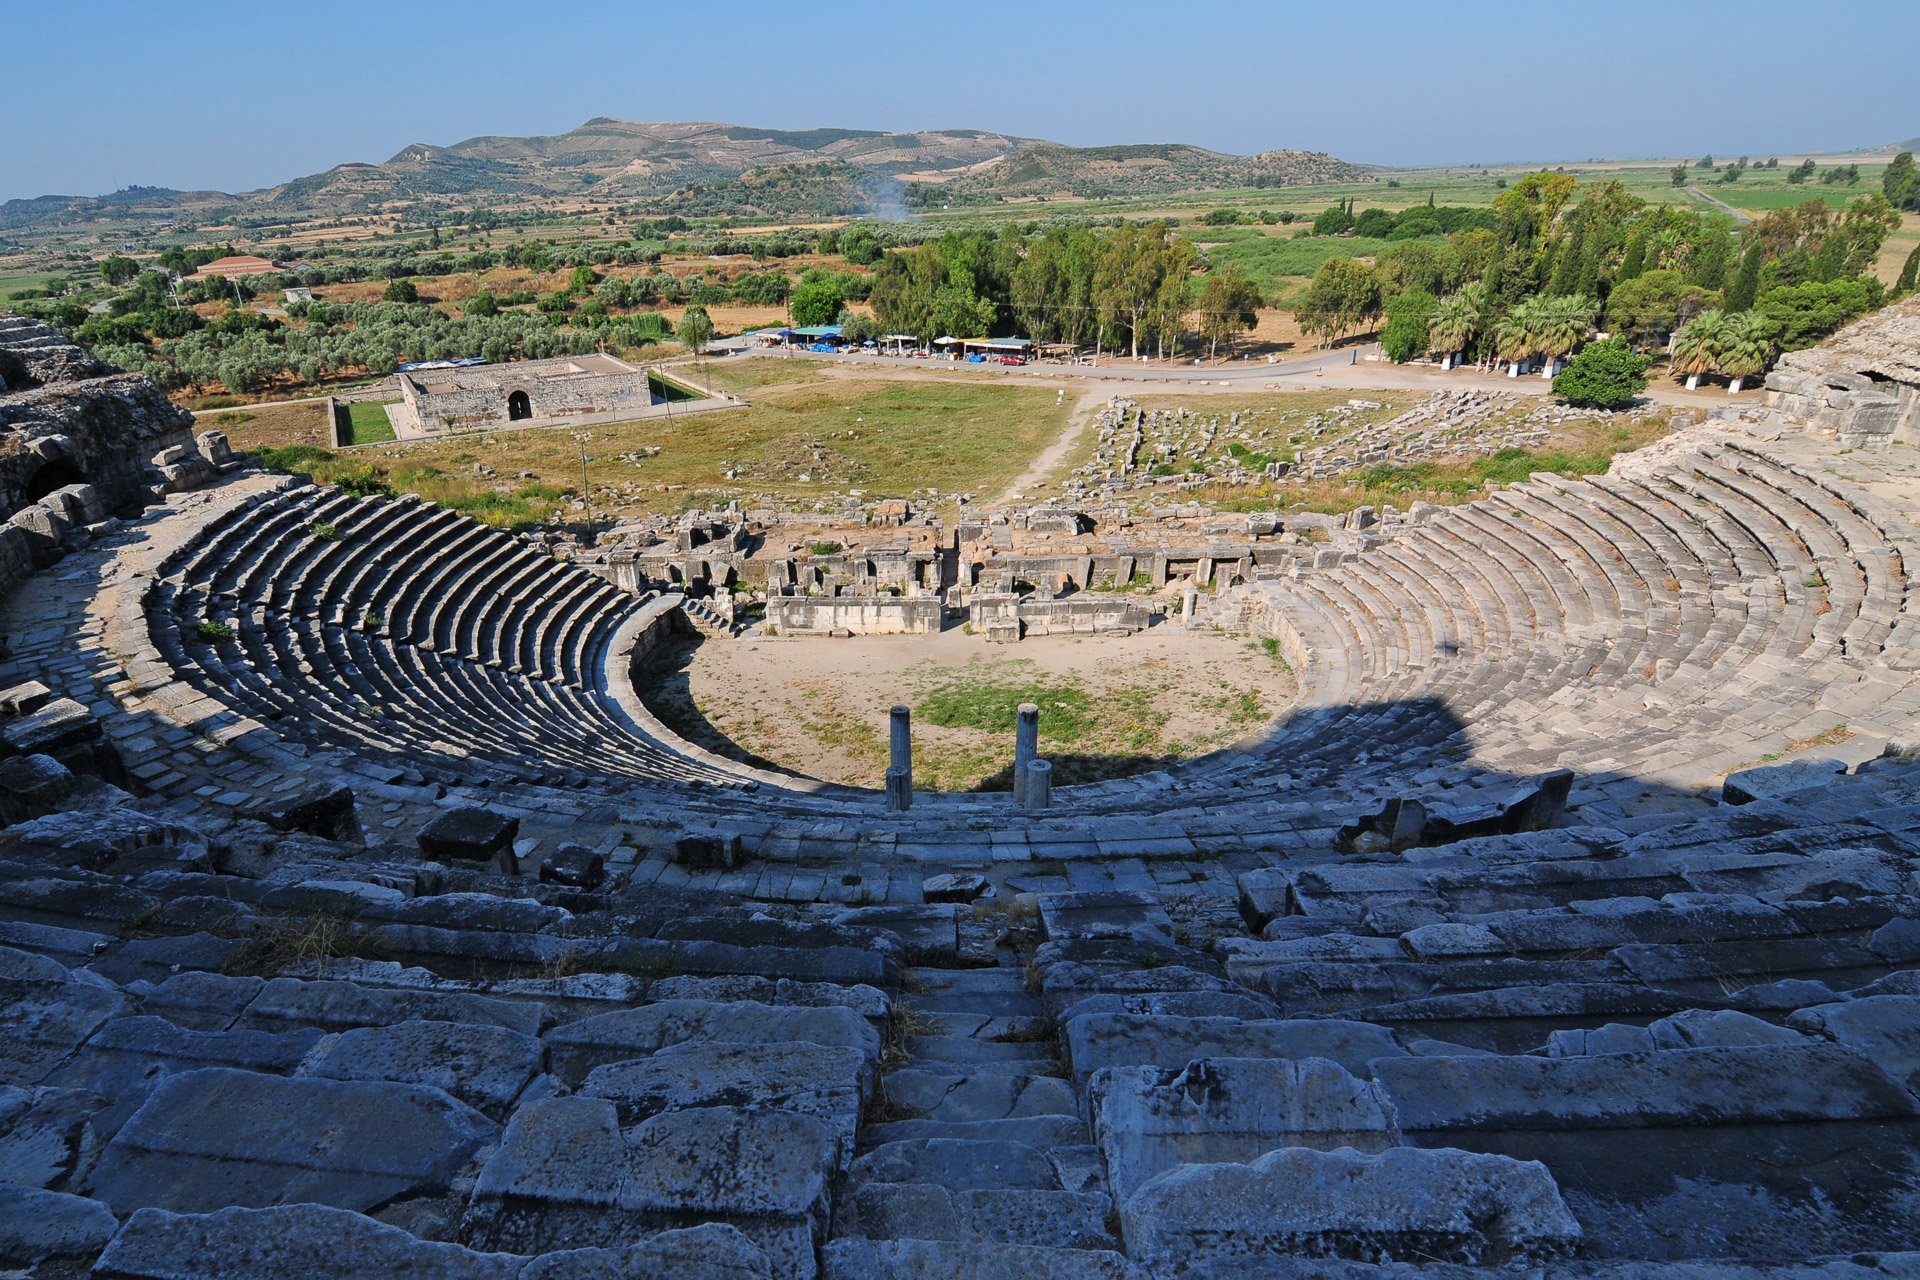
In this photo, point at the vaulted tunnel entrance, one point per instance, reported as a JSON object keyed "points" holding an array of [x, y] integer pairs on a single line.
{"points": [[518, 406], [57, 474]]}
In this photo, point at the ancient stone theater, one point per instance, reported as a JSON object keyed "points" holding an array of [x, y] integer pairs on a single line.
{"points": [[359, 917]]}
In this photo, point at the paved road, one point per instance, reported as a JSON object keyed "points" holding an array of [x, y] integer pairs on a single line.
{"points": [[1337, 368], [1739, 215]]}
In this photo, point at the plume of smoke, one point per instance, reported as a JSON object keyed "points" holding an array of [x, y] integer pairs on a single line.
{"points": [[886, 198]]}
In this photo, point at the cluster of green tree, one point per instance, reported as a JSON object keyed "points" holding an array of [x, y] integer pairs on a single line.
{"points": [[1408, 224], [1534, 284], [1133, 287], [246, 352], [1838, 175], [1246, 217], [1900, 183], [1737, 344]]}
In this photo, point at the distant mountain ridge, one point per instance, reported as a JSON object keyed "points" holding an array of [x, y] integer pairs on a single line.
{"points": [[672, 166]]}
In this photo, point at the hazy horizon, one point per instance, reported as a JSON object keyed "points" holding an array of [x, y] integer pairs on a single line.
{"points": [[237, 99]]}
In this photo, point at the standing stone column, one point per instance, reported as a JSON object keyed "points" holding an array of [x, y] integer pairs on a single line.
{"points": [[1040, 785], [900, 758], [1026, 745]]}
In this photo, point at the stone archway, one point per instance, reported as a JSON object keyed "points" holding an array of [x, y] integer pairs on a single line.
{"points": [[518, 406], [53, 475]]}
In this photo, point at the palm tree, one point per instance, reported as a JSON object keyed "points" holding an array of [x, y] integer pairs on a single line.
{"points": [[1517, 337], [1697, 347], [1513, 338], [1564, 323], [1745, 348], [1455, 321]]}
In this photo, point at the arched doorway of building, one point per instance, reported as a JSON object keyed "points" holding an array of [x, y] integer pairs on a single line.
{"points": [[518, 406], [57, 474]]}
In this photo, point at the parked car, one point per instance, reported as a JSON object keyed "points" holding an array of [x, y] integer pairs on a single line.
{"points": [[1013, 359]]}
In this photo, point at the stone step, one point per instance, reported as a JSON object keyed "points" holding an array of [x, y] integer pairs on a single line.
{"points": [[924, 1211]]}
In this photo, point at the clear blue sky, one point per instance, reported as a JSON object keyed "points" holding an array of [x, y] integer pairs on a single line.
{"points": [[216, 93]]}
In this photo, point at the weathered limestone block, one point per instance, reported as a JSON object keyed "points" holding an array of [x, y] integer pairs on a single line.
{"points": [[711, 1251], [709, 853], [337, 1006], [1761, 1084], [485, 1067], [45, 1133], [157, 958], [1772, 781], [298, 1240], [564, 1171], [324, 811], [1691, 1029], [36, 1225], [869, 1002], [129, 1057], [1108, 914], [948, 1091], [930, 932], [955, 886], [202, 1001], [577, 1047], [217, 1137], [1405, 1204], [969, 1260], [469, 833], [919, 1211], [1147, 1120], [56, 727], [959, 1165], [1125, 1040], [574, 865], [829, 1084], [1886, 1028], [322, 1243], [46, 1012], [36, 782], [733, 1162]]}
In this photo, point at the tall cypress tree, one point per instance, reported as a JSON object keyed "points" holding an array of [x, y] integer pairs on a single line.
{"points": [[1566, 264], [1636, 260], [1745, 288], [1909, 274]]}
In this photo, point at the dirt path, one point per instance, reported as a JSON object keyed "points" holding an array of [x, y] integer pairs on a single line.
{"points": [[1084, 412]]}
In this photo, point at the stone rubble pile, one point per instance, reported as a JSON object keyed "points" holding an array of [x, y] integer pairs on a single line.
{"points": [[1139, 448]]}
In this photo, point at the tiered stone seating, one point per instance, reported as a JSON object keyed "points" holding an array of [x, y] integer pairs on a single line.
{"points": [[407, 629], [1608, 1050], [1682, 584]]}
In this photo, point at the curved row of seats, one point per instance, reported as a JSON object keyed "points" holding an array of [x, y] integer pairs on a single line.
{"points": [[1702, 587], [405, 629], [1639, 607]]}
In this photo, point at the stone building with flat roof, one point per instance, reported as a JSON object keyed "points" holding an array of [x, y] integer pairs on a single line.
{"points": [[567, 390]]}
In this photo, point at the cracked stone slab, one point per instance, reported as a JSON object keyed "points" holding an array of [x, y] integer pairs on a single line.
{"points": [[828, 1083], [217, 1137], [36, 1225], [483, 1066], [1406, 1204], [1148, 1120], [578, 1047]]}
